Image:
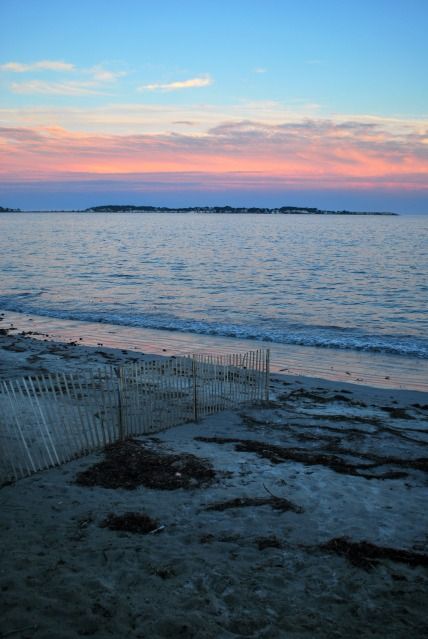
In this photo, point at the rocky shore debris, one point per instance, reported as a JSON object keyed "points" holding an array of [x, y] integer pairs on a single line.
{"points": [[129, 464]]}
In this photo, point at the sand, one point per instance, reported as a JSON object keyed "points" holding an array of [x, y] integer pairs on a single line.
{"points": [[349, 459]]}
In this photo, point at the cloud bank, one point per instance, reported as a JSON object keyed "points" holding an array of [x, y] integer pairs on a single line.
{"points": [[167, 151], [319, 153]]}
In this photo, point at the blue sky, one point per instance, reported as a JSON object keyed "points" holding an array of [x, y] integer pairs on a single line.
{"points": [[187, 68]]}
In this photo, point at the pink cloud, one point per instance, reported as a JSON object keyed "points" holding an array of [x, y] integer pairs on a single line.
{"points": [[319, 153]]}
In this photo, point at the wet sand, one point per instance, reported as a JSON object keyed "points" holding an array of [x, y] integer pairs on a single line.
{"points": [[226, 561], [368, 369]]}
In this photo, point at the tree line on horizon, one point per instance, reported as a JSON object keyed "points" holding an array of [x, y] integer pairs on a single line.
{"points": [[115, 208], [129, 208]]}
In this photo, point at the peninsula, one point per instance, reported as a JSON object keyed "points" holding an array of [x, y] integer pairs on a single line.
{"points": [[285, 210], [305, 210]]}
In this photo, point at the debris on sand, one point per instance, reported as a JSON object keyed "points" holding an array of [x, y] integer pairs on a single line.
{"points": [[396, 412], [268, 542], [164, 572], [131, 522], [366, 555], [280, 454], [278, 503], [129, 464], [320, 398]]}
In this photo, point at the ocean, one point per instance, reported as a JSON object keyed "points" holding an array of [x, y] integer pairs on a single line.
{"points": [[348, 283]]}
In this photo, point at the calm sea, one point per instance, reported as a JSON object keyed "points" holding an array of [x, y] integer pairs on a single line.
{"points": [[356, 283]]}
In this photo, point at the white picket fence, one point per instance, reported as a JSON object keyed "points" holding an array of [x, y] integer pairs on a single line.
{"points": [[47, 421]]}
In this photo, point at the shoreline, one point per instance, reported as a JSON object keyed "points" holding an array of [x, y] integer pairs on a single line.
{"points": [[25, 355], [368, 369]]}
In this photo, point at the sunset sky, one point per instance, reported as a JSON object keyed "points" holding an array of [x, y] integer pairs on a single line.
{"points": [[240, 102]]}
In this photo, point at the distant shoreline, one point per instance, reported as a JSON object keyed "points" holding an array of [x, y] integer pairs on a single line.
{"points": [[231, 210]]}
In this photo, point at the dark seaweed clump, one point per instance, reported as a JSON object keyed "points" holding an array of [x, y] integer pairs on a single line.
{"points": [[130, 522], [277, 503], [366, 555], [269, 542], [128, 464], [280, 454]]}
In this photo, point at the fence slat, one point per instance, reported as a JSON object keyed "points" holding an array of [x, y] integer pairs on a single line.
{"points": [[49, 415], [44, 453], [14, 406], [62, 425]]}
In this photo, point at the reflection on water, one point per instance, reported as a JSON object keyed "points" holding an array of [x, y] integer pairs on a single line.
{"points": [[357, 283]]}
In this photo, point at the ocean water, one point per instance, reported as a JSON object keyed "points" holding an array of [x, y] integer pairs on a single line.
{"points": [[349, 283]]}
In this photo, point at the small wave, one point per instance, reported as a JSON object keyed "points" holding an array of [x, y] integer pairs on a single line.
{"points": [[319, 336]]}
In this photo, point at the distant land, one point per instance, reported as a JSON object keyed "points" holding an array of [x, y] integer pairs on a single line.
{"points": [[291, 210], [114, 208]]}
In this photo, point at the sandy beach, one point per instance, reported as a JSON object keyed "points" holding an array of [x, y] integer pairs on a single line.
{"points": [[304, 517]]}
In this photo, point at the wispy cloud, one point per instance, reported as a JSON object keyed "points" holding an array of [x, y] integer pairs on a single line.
{"points": [[86, 81], [192, 83], [41, 65], [260, 70], [71, 88], [100, 74]]}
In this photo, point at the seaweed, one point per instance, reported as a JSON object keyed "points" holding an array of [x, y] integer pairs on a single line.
{"points": [[278, 503], [268, 542], [128, 464], [396, 413], [164, 572], [318, 398], [130, 522], [364, 554], [358, 419], [279, 454]]}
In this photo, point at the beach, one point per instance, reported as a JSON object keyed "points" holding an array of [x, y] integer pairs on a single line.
{"points": [[308, 518], [213, 320]]}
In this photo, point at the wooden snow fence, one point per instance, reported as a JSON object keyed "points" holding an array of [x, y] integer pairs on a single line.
{"points": [[48, 420]]}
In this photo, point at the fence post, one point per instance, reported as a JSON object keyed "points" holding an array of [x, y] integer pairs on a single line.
{"points": [[119, 374], [267, 374], [195, 389]]}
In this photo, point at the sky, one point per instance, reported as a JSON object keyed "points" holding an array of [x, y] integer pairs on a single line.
{"points": [[239, 102]]}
